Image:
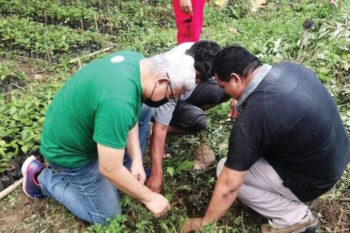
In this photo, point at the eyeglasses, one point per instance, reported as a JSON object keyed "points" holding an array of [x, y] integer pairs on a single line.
{"points": [[171, 89]]}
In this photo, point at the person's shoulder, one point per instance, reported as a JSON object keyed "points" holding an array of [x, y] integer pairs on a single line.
{"points": [[127, 54], [288, 65], [186, 94], [182, 48]]}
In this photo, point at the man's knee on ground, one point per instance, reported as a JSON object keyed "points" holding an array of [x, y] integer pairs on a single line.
{"points": [[199, 123]]}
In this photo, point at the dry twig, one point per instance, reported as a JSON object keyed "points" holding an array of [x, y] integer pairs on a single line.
{"points": [[10, 188]]}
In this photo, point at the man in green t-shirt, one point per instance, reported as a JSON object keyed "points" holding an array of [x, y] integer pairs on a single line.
{"points": [[90, 123]]}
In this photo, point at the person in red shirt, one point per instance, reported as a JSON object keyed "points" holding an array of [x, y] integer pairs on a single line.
{"points": [[189, 19]]}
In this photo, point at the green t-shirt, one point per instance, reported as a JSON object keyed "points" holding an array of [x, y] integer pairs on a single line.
{"points": [[99, 104]]}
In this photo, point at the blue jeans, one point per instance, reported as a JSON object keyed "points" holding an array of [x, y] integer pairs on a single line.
{"points": [[85, 191], [144, 120]]}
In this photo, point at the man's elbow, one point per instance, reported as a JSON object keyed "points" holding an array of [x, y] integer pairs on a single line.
{"points": [[230, 187], [158, 133], [104, 170], [107, 170], [159, 128], [233, 186]]}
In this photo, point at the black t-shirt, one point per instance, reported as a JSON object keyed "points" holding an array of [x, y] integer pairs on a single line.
{"points": [[292, 121]]}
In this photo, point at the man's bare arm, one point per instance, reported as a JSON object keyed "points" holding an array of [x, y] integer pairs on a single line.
{"points": [[158, 140], [111, 166]]}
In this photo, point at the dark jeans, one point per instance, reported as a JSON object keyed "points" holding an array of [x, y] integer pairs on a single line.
{"points": [[189, 114]]}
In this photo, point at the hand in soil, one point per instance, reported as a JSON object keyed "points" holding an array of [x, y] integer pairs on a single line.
{"points": [[158, 205], [193, 225]]}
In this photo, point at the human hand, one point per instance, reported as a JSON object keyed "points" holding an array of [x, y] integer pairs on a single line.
{"points": [[233, 114], [138, 171], [186, 6], [194, 224], [158, 205], [154, 182]]}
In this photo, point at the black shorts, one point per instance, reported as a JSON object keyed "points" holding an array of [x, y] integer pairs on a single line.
{"points": [[189, 115]]}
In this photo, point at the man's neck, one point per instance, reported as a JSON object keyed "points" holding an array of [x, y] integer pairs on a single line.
{"points": [[145, 77], [252, 74]]}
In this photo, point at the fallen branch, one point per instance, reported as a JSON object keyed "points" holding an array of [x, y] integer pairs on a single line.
{"points": [[298, 60], [341, 215], [10, 188], [29, 58], [90, 54], [19, 87]]}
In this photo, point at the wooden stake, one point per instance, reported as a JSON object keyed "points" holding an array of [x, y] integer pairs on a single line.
{"points": [[82, 24], [96, 24], [109, 20], [90, 54], [341, 215], [108, 10], [10, 188], [301, 46], [48, 55], [201, 144], [45, 17], [8, 97]]}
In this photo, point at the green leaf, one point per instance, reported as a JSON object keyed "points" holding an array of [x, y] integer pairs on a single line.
{"points": [[184, 166], [24, 149], [169, 196], [184, 187], [170, 171], [12, 110]]}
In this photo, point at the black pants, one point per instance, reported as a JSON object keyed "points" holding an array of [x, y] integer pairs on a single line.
{"points": [[188, 115]]}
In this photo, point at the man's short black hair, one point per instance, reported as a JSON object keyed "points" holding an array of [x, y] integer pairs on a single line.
{"points": [[204, 53], [234, 59]]}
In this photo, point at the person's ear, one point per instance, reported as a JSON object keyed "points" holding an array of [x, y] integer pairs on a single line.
{"points": [[236, 79], [161, 80], [198, 76]]}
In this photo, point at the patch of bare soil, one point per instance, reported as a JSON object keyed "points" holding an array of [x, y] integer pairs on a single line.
{"points": [[32, 71], [18, 213], [335, 215], [203, 157]]}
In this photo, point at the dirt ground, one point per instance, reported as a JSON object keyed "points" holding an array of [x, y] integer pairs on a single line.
{"points": [[335, 216], [22, 214]]}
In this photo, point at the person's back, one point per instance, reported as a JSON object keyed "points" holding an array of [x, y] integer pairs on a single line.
{"points": [[95, 132], [78, 115], [288, 144], [304, 138]]}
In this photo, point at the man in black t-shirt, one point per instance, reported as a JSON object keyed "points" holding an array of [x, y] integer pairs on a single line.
{"points": [[288, 145]]}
